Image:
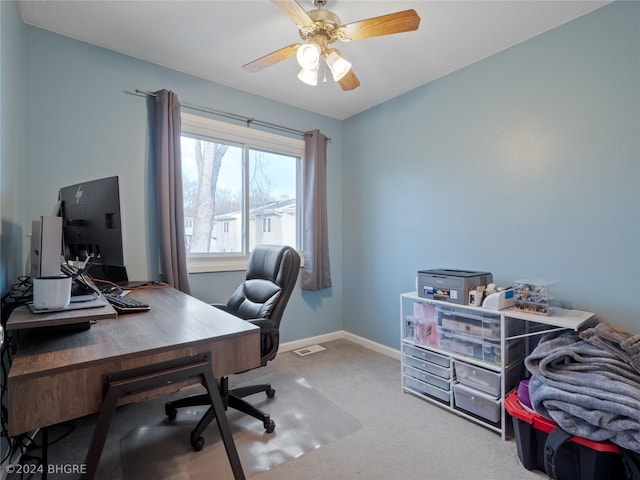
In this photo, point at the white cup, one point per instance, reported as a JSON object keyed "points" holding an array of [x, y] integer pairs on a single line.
{"points": [[51, 293]]}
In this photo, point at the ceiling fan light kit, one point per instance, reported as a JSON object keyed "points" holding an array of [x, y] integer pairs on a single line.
{"points": [[308, 55], [338, 65], [321, 28]]}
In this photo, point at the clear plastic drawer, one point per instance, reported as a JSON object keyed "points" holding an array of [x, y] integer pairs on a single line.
{"points": [[427, 377], [476, 402], [427, 355], [427, 389], [477, 377]]}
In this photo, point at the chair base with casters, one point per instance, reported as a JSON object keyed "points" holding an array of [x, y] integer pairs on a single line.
{"points": [[230, 398]]}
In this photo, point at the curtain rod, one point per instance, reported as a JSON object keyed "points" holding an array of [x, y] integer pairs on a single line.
{"points": [[234, 116]]}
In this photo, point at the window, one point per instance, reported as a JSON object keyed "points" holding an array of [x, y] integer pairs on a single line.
{"points": [[266, 225], [242, 187]]}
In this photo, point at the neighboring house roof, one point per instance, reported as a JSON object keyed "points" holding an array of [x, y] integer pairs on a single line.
{"points": [[275, 208]]}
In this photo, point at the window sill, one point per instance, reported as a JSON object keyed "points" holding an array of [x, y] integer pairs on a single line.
{"points": [[206, 265], [232, 264]]}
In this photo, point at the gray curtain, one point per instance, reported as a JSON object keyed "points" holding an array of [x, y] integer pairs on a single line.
{"points": [[164, 108], [316, 274]]}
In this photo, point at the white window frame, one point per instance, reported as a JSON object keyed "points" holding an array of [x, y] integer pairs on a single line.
{"points": [[208, 127]]}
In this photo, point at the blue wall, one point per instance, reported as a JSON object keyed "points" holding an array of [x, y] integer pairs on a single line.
{"points": [[526, 164], [12, 164]]}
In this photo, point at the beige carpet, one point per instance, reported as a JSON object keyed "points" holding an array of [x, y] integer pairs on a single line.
{"points": [[305, 420], [402, 437]]}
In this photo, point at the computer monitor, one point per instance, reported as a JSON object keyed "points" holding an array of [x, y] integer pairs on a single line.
{"points": [[92, 227]]}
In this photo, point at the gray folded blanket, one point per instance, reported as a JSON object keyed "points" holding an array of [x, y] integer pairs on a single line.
{"points": [[624, 345], [588, 390]]}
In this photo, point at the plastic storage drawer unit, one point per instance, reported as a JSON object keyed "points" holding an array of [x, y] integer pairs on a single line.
{"points": [[576, 459]]}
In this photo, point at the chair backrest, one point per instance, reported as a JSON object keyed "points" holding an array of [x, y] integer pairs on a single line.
{"points": [[271, 275]]}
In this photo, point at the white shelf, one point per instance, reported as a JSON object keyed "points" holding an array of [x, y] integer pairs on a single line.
{"points": [[559, 317]]}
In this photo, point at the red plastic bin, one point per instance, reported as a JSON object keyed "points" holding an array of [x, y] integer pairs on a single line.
{"points": [[577, 459]]}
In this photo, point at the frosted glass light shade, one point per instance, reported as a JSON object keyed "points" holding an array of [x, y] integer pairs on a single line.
{"points": [[308, 55], [339, 66], [309, 75]]}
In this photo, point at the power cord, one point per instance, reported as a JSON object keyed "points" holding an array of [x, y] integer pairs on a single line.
{"points": [[112, 287]]}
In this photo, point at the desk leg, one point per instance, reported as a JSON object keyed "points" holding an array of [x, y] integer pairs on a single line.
{"points": [[100, 433], [223, 426], [148, 378]]}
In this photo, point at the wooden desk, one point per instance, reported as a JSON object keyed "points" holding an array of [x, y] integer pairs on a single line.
{"points": [[60, 378]]}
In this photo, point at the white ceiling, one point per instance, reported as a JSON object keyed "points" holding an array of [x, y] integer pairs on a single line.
{"points": [[213, 39]]}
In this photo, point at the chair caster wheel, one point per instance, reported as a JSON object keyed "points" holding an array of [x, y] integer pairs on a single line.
{"points": [[170, 412], [269, 426], [271, 393], [197, 444]]}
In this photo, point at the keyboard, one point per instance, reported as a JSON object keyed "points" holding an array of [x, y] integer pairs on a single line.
{"points": [[125, 304]]}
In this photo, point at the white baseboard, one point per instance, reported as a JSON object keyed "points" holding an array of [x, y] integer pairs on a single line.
{"points": [[305, 342], [341, 334]]}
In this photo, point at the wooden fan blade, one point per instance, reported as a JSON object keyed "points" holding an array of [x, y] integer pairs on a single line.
{"points": [[271, 58], [295, 12], [398, 22], [349, 81]]}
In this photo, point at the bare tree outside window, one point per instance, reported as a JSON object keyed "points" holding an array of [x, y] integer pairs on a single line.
{"points": [[208, 160]]}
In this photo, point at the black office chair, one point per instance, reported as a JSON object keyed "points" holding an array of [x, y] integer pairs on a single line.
{"points": [[261, 300]]}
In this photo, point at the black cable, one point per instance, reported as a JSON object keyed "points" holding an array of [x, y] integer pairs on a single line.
{"points": [[68, 429], [4, 412], [19, 294]]}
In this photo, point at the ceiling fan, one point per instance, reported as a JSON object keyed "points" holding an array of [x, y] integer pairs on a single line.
{"points": [[320, 29]]}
